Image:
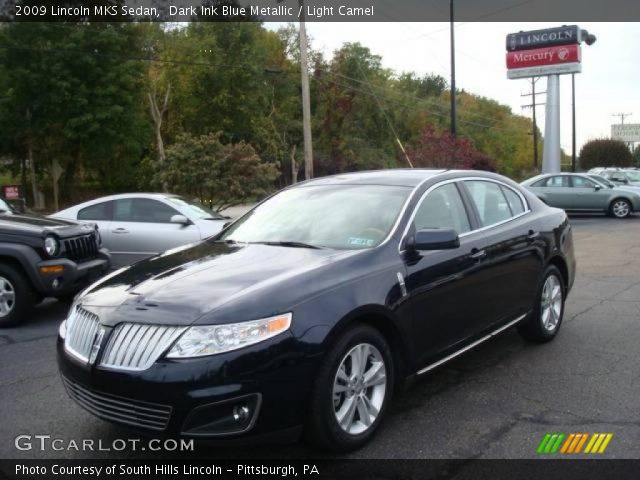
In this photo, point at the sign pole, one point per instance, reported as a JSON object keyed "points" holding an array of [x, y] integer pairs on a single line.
{"points": [[551, 153]]}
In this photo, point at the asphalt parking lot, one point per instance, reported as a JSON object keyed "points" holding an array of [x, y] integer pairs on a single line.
{"points": [[497, 401]]}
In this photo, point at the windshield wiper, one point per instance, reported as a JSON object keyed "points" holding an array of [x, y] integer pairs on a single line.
{"points": [[290, 244]]}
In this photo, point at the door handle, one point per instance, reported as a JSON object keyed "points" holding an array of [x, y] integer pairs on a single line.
{"points": [[478, 254], [120, 230]]}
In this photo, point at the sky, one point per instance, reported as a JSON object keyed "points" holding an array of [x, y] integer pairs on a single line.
{"points": [[609, 82]]}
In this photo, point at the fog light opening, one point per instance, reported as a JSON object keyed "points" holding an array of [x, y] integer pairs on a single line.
{"points": [[56, 283]]}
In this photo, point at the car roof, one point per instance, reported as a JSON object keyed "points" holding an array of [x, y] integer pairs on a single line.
{"points": [[118, 196], [402, 177]]}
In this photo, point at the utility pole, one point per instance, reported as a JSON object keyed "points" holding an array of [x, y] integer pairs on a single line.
{"points": [[533, 105], [551, 152], [454, 129], [622, 116], [573, 122], [306, 101]]}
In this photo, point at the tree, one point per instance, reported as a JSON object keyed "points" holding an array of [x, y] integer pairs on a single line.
{"points": [[636, 157], [73, 104], [227, 175], [605, 152], [439, 149]]}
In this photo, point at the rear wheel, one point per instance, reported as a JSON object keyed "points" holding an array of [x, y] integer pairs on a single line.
{"points": [[620, 208], [352, 391], [544, 323], [16, 296]]}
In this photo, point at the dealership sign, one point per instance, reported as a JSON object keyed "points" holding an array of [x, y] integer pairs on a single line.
{"points": [[543, 56], [628, 132], [559, 69], [565, 35], [554, 51]]}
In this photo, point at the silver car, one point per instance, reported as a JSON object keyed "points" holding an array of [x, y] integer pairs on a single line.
{"points": [[576, 192], [619, 176], [135, 226]]}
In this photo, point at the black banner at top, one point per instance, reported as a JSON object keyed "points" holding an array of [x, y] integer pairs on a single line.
{"points": [[319, 10]]}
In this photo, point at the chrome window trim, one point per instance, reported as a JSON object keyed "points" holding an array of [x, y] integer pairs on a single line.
{"points": [[393, 230], [527, 209]]}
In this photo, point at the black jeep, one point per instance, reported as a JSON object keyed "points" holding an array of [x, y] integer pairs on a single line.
{"points": [[42, 257]]}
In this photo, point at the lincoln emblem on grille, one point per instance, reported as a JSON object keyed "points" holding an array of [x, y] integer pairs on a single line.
{"points": [[95, 347]]}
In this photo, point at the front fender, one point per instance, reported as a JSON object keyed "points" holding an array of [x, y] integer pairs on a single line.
{"points": [[28, 259]]}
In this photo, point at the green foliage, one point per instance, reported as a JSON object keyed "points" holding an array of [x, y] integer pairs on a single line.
{"points": [[636, 157], [80, 95], [225, 175], [605, 153]]}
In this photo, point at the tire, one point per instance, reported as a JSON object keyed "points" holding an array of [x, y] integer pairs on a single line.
{"points": [[323, 428], [620, 208], [545, 321], [16, 296]]}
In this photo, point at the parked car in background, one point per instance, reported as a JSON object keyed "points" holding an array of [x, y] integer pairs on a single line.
{"points": [[609, 184], [310, 310], [576, 192], [44, 257], [135, 226], [619, 176]]}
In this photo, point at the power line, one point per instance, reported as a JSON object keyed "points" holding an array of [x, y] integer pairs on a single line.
{"points": [[384, 113], [622, 116]]}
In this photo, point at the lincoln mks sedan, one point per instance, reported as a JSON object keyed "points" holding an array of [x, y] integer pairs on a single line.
{"points": [[306, 314]]}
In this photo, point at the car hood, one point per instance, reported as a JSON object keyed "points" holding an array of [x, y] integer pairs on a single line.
{"points": [[37, 225], [180, 285]]}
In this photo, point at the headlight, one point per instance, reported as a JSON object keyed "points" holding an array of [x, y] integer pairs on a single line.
{"points": [[199, 341], [62, 330], [51, 246]]}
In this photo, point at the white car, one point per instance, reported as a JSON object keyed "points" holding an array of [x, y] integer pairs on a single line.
{"points": [[134, 226]]}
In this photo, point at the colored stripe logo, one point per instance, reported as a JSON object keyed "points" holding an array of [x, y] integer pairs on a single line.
{"points": [[573, 443]]}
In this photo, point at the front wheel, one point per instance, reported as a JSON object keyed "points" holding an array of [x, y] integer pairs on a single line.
{"points": [[352, 391], [620, 208], [544, 323], [16, 296]]}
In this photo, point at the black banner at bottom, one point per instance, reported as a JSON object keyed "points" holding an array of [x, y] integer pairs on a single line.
{"points": [[547, 469]]}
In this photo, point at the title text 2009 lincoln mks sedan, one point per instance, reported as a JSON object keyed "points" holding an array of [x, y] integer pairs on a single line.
{"points": [[307, 312]]}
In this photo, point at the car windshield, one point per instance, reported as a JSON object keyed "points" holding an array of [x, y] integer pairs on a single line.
{"points": [[196, 209], [343, 217], [602, 180], [633, 175]]}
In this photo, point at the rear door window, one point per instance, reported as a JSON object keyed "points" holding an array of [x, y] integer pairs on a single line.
{"points": [[99, 211], [514, 200], [142, 210], [490, 202]]}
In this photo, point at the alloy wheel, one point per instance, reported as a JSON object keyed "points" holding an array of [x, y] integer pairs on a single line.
{"points": [[551, 303], [620, 209], [7, 297], [359, 388]]}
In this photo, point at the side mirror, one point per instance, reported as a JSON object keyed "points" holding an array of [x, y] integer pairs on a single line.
{"points": [[180, 220], [436, 239], [597, 187]]}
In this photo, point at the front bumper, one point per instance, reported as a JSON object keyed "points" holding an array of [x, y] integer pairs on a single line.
{"points": [[201, 397], [73, 277]]}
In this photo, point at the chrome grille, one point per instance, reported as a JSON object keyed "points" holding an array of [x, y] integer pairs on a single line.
{"points": [[148, 415], [134, 346], [82, 327], [81, 248]]}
